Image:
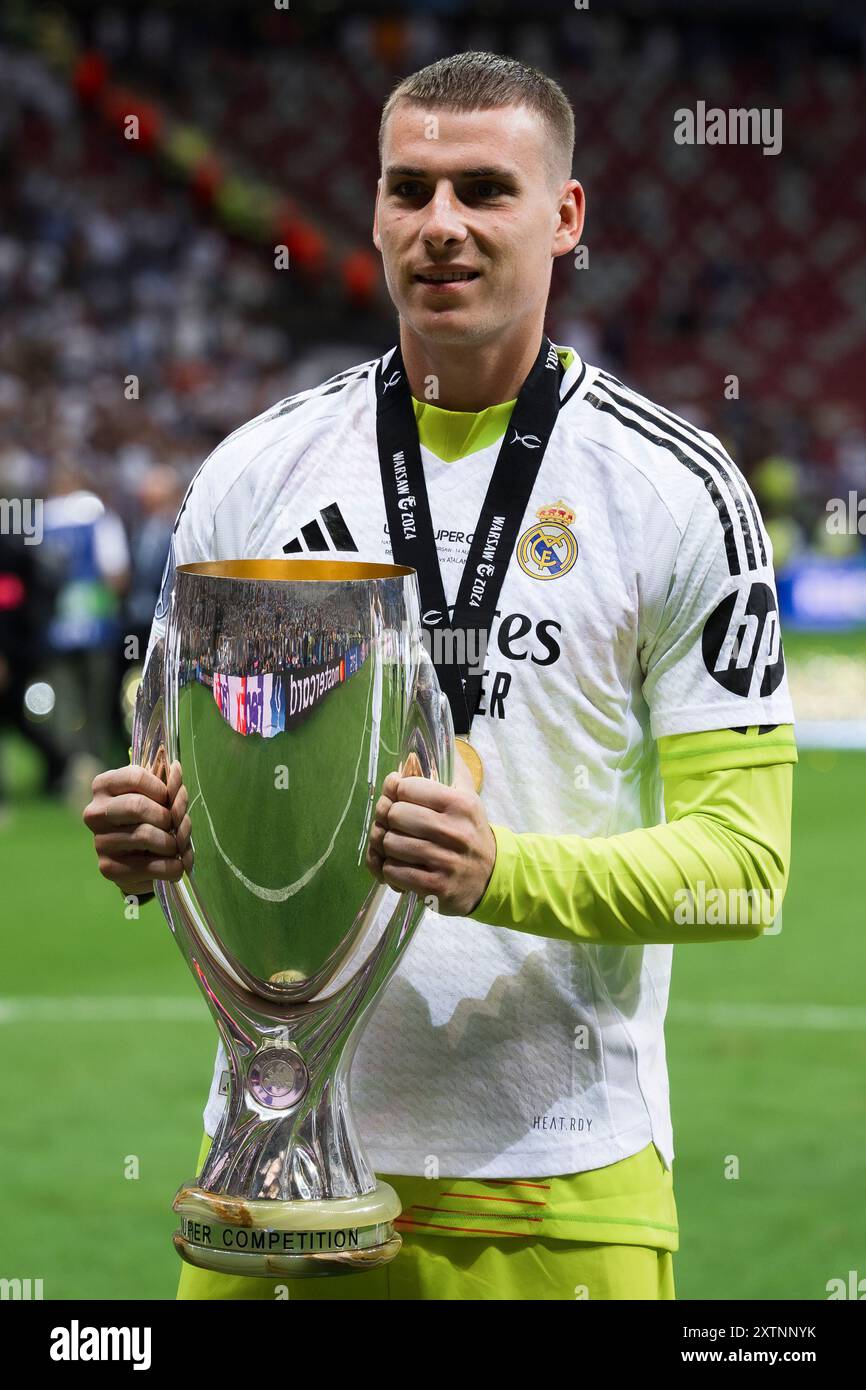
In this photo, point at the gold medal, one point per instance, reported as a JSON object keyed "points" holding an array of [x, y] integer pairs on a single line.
{"points": [[472, 761]]}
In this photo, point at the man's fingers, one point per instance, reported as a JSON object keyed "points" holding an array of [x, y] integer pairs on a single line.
{"points": [[175, 781], [374, 864], [405, 818], [422, 791], [121, 780], [170, 870], [179, 805], [143, 839], [128, 810], [184, 835], [137, 868], [418, 791], [411, 851], [409, 878], [389, 793]]}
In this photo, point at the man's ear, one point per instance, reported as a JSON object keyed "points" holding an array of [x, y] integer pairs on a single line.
{"points": [[377, 241], [572, 212]]}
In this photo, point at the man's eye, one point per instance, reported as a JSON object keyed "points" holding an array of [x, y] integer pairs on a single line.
{"points": [[410, 188]]}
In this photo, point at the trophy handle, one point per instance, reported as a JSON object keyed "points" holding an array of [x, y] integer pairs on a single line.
{"points": [[427, 751], [428, 747], [148, 726]]}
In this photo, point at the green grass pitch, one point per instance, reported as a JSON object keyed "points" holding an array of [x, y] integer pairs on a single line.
{"points": [[107, 1052]]}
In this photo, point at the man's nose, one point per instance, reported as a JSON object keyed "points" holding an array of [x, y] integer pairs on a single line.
{"points": [[444, 218]]}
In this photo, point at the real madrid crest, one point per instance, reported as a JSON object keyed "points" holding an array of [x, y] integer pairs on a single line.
{"points": [[548, 550]]}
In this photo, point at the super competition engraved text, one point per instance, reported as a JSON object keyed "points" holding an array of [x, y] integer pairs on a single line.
{"points": [[216, 1236]]}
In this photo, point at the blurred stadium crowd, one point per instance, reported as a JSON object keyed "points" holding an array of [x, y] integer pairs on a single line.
{"points": [[139, 325]]}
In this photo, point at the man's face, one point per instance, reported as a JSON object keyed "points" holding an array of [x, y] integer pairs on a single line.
{"points": [[477, 195]]}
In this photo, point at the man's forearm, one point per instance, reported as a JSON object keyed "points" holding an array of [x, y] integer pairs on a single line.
{"points": [[728, 836]]}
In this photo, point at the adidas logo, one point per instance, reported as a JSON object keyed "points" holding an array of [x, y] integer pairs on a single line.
{"points": [[314, 538]]}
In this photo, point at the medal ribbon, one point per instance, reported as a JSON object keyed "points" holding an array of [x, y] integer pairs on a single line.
{"points": [[410, 524]]}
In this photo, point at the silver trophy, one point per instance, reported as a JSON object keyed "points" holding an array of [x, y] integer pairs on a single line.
{"points": [[288, 690]]}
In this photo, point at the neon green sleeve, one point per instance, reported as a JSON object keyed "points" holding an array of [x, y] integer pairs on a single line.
{"points": [[727, 801]]}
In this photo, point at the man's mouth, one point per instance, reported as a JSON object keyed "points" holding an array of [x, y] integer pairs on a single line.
{"points": [[447, 277]]}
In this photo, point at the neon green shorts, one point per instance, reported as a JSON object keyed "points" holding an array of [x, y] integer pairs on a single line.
{"points": [[436, 1267], [469, 1267]]}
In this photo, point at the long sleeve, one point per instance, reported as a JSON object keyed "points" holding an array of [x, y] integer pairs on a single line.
{"points": [[723, 853]]}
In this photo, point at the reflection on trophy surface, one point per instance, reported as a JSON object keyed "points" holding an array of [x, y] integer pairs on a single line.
{"points": [[288, 690]]}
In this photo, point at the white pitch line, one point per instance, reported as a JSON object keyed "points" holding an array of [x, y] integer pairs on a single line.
{"points": [[831, 733], [109, 1008], [50, 1008], [833, 1018]]}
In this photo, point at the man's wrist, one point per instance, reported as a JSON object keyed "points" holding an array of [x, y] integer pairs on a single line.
{"points": [[496, 892], [139, 897]]}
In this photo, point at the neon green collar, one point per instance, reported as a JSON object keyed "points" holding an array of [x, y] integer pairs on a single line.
{"points": [[452, 434]]}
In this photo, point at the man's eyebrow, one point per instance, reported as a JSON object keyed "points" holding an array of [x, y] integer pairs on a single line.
{"points": [[407, 171]]}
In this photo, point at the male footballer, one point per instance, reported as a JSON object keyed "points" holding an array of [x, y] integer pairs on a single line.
{"points": [[630, 731]]}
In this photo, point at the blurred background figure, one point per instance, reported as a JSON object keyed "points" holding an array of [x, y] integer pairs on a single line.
{"points": [[85, 551], [26, 602], [158, 497]]}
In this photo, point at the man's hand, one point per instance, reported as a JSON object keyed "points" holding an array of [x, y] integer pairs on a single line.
{"points": [[140, 826], [433, 840]]}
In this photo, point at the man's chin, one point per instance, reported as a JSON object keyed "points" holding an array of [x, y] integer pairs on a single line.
{"points": [[444, 326]]}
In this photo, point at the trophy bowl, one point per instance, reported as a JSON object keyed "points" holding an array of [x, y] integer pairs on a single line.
{"points": [[288, 690]]}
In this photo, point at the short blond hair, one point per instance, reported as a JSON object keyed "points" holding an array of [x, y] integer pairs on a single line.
{"points": [[480, 81]]}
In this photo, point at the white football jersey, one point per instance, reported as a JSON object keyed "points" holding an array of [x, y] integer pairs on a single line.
{"points": [[639, 602]]}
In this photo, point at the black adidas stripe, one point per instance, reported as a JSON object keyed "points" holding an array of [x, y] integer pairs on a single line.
{"points": [[359, 370], [314, 537], [337, 528], [654, 419], [293, 402], [707, 478], [762, 729], [684, 427], [719, 452]]}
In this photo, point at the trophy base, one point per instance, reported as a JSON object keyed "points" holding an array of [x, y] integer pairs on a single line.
{"points": [[292, 1239], [306, 1266]]}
